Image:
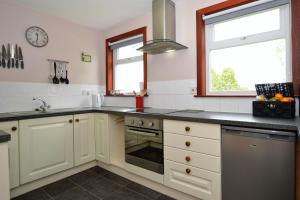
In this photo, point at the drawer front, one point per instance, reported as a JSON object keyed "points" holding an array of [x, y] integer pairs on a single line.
{"points": [[211, 131], [199, 183], [203, 161], [200, 145]]}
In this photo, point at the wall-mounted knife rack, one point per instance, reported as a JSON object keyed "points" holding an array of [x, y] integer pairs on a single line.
{"points": [[59, 69], [11, 57], [58, 61]]}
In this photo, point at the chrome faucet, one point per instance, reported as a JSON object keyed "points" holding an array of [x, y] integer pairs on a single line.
{"points": [[44, 107]]}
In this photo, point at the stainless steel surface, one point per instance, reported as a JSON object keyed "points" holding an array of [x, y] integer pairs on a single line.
{"points": [[144, 143], [164, 28], [21, 58], [8, 56], [257, 164], [16, 56], [45, 106], [144, 122]]}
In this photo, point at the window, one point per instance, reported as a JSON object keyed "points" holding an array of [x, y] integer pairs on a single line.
{"points": [[240, 47], [247, 50], [126, 67]]}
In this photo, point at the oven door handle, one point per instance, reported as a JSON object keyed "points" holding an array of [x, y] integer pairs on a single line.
{"points": [[142, 133]]}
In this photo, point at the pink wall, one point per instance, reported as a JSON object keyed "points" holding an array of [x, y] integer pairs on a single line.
{"points": [[178, 65], [66, 42]]}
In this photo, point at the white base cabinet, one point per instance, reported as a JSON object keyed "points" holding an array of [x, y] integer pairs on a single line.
{"points": [[192, 154], [13, 149], [46, 147], [84, 139], [102, 137], [194, 181]]}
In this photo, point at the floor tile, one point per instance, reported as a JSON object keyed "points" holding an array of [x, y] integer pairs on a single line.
{"points": [[59, 187], [76, 194], [125, 194], [100, 170], [38, 194], [117, 179], [143, 190], [101, 187], [164, 197], [84, 177]]}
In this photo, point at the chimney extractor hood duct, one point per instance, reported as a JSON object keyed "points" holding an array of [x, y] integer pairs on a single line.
{"points": [[164, 29]]}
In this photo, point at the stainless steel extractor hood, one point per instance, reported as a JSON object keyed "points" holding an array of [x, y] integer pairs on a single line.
{"points": [[164, 29]]}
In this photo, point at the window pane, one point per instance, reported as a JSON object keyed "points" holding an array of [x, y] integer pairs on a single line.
{"points": [[240, 68], [129, 76], [129, 51], [248, 25]]}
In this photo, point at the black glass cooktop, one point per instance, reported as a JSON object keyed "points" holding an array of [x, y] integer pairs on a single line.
{"points": [[153, 111]]}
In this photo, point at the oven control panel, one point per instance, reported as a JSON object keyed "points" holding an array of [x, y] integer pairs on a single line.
{"points": [[144, 122]]}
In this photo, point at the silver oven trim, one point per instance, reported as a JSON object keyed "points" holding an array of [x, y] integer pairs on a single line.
{"points": [[145, 132]]}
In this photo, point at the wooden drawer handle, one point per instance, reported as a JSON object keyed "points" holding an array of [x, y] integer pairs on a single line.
{"points": [[14, 128], [188, 158], [188, 171], [187, 143], [70, 121], [77, 120], [187, 129]]}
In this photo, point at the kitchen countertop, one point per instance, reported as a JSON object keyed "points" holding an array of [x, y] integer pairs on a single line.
{"points": [[234, 119], [4, 137]]}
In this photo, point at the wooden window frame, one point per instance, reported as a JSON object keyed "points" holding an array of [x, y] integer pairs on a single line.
{"points": [[201, 44], [110, 59]]}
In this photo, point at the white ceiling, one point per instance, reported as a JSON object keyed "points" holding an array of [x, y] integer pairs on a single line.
{"points": [[99, 14]]}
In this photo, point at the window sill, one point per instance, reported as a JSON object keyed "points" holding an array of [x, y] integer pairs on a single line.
{"points": [[227, 96], [123, 95]]}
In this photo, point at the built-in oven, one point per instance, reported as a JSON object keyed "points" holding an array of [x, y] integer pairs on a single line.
{"points": [[144, 143]]}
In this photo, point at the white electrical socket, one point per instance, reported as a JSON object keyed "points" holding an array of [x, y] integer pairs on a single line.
{"points": [[193, 90], [86, 92]]}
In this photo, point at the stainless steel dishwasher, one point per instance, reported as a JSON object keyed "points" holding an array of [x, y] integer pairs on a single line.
{"points": [[257, 164]]}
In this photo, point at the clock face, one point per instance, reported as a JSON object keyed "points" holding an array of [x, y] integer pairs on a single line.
{"points": [[36, 36]]}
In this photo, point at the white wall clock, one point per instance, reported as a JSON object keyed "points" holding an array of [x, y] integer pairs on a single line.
{"points": [[36, 36]]}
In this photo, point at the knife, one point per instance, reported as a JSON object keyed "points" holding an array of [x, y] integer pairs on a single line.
{"points": [[8, 58], [17, 56], [3, 56], [21, 58], [13, 53]]}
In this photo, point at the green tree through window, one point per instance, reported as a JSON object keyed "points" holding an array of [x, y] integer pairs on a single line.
{"points": [[225, 81]]}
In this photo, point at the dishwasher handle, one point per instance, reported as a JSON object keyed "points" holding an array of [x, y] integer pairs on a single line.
{"points": [[259, 133]]}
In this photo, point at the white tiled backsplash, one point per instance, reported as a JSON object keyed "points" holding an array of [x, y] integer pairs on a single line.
{"points": [[178, 95], [17, 96]]}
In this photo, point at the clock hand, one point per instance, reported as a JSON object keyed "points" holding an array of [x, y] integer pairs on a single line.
{"points": [[37, 37]]}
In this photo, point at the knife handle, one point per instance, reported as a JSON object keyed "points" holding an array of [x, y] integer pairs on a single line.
{"points": [[17, 63], [12, 63], [3, 62], [22, 64], [8, 63]]}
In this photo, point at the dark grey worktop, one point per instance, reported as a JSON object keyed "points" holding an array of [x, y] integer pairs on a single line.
{"points": [[234, 119], [4, 137]]}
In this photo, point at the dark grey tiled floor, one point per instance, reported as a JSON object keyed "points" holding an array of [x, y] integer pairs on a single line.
{"points": [[94, 184]]}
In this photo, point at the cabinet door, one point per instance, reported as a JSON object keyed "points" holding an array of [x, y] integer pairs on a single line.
{"points": [[46, 147], [13, 149], [102, 137], [84, 139], [194, 181]]}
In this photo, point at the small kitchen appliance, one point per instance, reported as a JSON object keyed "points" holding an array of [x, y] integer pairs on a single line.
{"points": [[97, 100]]}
